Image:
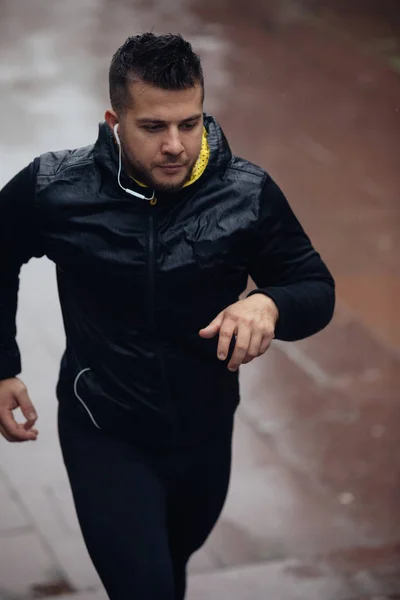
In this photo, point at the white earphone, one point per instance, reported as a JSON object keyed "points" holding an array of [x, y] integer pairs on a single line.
{"points": [[128, 191]]}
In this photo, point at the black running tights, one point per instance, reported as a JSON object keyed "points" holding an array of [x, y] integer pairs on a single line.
{"points": [[143, 511]]}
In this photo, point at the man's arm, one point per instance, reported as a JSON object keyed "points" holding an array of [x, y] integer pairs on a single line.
{"points": [[295, 297], [10, 361], [19, 241], [287, 268]]}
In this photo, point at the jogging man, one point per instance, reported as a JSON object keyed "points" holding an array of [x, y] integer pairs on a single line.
{"points": [[154, 230]]}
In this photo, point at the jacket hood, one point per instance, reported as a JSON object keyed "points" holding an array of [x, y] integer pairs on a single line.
{"points": [[107, 156]]}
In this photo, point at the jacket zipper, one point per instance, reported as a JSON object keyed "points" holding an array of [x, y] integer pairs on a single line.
{"points": [[152, 264], [152, 317]]}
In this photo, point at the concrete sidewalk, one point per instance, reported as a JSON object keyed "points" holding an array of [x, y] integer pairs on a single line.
{"points": [[279, 581]]}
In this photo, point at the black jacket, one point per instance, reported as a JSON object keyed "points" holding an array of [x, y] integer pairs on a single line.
{"points": [[137, 282]]}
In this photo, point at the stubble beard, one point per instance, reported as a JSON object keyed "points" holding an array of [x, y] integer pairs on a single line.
{"points": [[139, 172]]}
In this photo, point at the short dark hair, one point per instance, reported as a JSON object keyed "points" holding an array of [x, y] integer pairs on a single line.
{"points": [[164, 61]]}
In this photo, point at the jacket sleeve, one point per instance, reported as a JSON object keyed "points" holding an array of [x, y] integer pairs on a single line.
{"points": [[286, 267], [19, 242]]}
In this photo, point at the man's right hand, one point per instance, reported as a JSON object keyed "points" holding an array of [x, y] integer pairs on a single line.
{"points": [[13, 395]]}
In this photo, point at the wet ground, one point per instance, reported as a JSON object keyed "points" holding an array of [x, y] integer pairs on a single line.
{"points": [[311, 91]]}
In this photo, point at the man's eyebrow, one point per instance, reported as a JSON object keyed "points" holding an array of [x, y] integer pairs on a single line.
{"points": [[192, 118], [161, 122]]}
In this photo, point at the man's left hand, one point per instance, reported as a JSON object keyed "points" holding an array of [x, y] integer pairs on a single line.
{"points": [[252, 321]]}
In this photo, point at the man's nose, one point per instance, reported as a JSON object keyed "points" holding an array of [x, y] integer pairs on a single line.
{"points": [[172, 143]]}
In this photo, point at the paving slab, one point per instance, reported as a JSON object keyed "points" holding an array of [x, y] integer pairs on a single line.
{"points": [[273, 581], [24, 561], [11, 516]]}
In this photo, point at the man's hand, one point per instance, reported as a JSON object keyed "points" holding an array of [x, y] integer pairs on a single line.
{"points": [[13, 394], [252, 321]]}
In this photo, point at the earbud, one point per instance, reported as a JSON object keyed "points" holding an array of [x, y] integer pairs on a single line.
{"points": [[128, 191], [116, 134]]}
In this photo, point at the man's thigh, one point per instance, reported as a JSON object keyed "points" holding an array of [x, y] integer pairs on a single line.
{"points": [[120, 504], [196, 505]]}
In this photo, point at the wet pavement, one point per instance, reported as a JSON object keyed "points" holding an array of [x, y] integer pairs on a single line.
{"points": [[310, 91]]}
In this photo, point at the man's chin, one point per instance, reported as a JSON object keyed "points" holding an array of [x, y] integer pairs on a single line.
{"points": [[169, 186]]}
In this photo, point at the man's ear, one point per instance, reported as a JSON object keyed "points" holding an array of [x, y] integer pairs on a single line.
{"points": [[111, 118]]}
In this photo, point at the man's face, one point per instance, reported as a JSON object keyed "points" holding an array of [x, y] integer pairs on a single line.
{"points": [[161, 135]]}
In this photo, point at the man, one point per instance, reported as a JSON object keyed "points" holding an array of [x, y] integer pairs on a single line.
{"points": [[154, 231]]}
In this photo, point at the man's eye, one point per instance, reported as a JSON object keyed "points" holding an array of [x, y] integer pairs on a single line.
{"points": [[152, 128], [188, 126]]}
